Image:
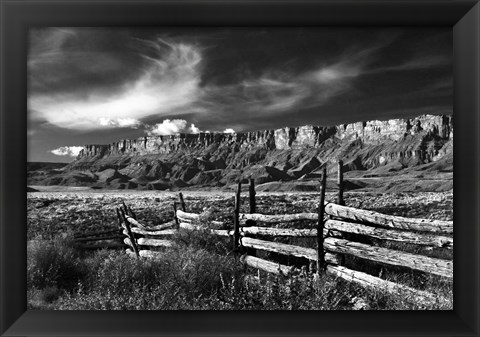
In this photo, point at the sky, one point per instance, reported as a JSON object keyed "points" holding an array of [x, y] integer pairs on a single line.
{"points": [[100, 85]]}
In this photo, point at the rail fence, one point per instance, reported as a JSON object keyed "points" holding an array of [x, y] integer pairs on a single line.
{"points": [[105, 239], [338, 230]]}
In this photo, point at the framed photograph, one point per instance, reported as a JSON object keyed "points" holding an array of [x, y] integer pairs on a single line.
{"points": [[239, 168]]}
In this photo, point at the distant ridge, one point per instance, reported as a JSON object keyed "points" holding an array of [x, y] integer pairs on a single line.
{"points": [[282, 155]]}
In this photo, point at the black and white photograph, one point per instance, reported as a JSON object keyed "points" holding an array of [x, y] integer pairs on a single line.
{"points": [[240, 168]]}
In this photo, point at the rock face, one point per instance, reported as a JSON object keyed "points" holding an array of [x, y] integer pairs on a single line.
{"points": [[297, 153], [374, 132], [371, 132]]}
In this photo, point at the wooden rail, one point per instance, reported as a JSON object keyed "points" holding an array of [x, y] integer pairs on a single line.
{"points": [[99, 238], [265, 265], [372, 282], [390, 257], [154, 242], [266, 231], [194, 218], [280, 248], [105, 239], [135, 223], [96, 233], [391, 234], [144, 227], [101, 245], [274, 218], [151, 233], [389, 221], [165, 225]]}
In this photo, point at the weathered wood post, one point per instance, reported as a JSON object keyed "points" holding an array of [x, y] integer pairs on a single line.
{"points": [[125, 208], [182, 202], [133, 215], [340, 199], [321, 211], [253, 209], [253, 205], [236, 219], [177, 223], [131, 238], [120, 221]]}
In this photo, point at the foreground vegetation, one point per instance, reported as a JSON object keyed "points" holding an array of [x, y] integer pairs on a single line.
{"points": [[199, 272], [195, 275]]}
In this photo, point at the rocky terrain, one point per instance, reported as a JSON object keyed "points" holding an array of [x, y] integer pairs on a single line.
{"points": [[397, 155]]}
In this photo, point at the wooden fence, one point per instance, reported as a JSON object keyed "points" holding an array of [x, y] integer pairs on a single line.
{"points": [[335, 228], [106, 239]]}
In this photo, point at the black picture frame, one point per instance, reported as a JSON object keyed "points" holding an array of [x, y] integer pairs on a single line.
{"points": [[463, 16]]}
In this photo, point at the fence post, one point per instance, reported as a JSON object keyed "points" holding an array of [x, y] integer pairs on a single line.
{"points": [[253, 209], [253, 205], [129, 233], [125, 208], [133, 215], [321, 211], [120, 221], [340, 199], [236, 219], [180, 195], [175, 215]]}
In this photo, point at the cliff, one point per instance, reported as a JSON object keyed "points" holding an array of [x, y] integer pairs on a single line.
{"points": [[371, 132], [286, 154]]}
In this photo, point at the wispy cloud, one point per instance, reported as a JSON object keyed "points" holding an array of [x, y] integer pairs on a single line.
{"points": [[168, 84], [421, 62], [155, 84], [70, 151], [277, 93]]}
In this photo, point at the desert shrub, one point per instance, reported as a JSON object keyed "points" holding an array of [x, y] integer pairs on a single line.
{"points": [[50, 294], [119, 273], [53, 264], [378, 299], [302, 291], [186, 278], [199, 271], [116, 282], [202, 239]]}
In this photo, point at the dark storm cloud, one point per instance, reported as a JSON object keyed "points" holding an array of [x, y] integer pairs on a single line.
{"points": [[63, 60], [115, 82]]}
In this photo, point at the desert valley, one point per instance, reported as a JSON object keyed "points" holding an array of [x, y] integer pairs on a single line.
{"points": [[399, 167]]}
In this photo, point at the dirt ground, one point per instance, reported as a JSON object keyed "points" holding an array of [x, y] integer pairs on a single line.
{"points": [[56, 210]]}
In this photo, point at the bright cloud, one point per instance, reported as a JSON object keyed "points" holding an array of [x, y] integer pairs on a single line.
{"points": [[71, 151], [168, 127], [229, 131], [194, 129], [172, 127]]}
